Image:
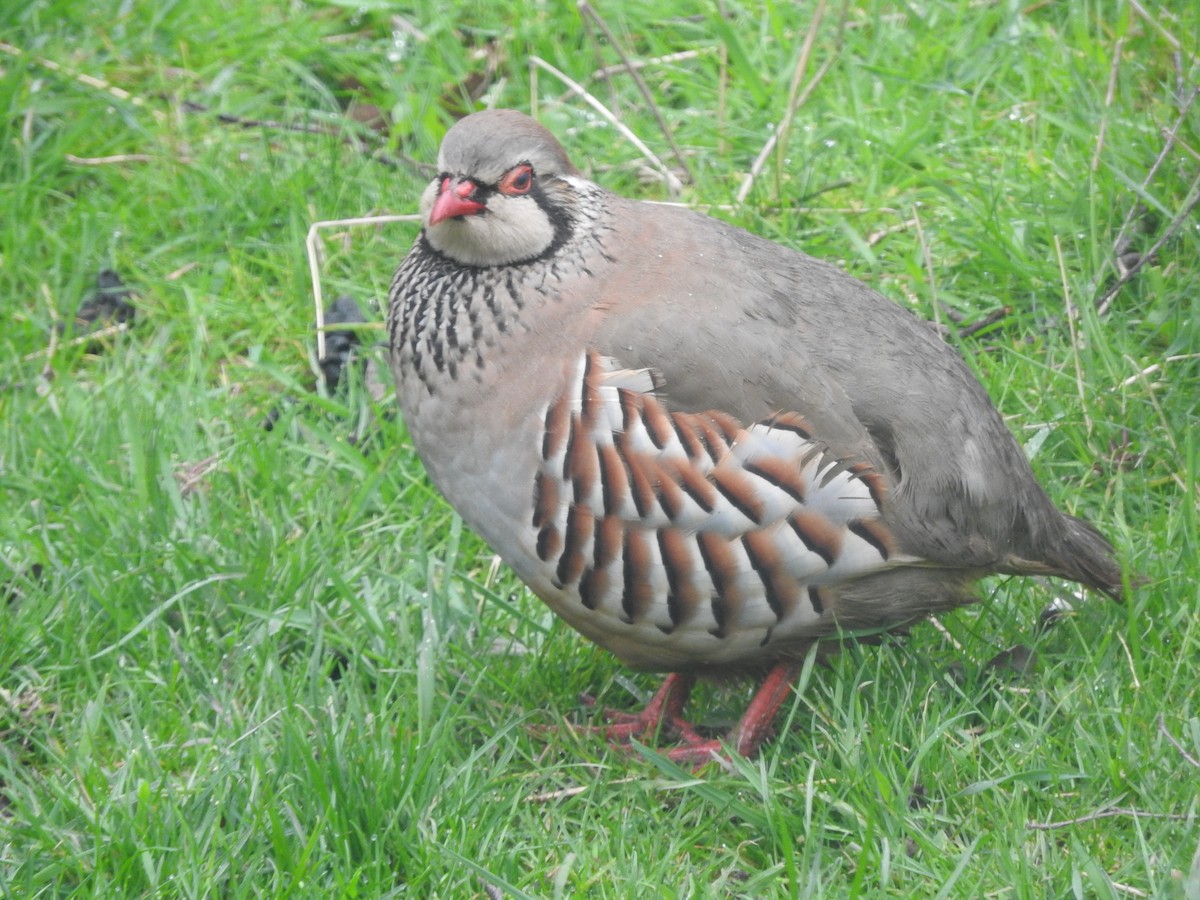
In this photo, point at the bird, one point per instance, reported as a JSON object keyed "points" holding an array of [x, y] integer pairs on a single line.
{"points": [[706, 452]]}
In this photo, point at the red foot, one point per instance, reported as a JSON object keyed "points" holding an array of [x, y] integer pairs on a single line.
{"points": [[664, 714]]}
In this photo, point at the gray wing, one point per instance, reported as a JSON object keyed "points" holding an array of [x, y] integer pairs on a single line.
{"points": [[738, 324]]}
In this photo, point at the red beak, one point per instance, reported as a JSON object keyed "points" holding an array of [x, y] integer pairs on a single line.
{"points": [[454, 200]]}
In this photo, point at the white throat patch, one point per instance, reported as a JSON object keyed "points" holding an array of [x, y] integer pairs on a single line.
{"points": [[512, 229]]}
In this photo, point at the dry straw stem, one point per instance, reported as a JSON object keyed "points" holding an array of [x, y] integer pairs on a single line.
{"points": [[1158, 366], [108, 160], [796, 99], [1161, 29], [1108, 99], [877, 236], [927, 257], [565, 793], [96, 335], [313, 249], [606, 72], [1166, 431], [574, 87], [83, 78], [587, 11], [1162, 727], [1110, 813], [945, 633], [1072, 314]]}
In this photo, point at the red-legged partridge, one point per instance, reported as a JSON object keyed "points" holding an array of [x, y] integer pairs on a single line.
{"points": [[703, 450]]}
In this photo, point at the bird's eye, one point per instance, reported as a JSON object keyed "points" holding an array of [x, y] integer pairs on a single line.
{"points": [[517, 180]]}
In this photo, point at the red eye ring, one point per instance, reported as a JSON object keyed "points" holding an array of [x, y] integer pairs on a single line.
{"points": [[517, 180]]}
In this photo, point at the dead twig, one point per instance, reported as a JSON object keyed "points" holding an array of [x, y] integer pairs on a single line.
{"points": [[1162, 726], [1122, 240], [588, 11], [996, 315], [1184, 215], [1171, 135], [100, 84], [346, 135], [272, 124], [1110, 813]]}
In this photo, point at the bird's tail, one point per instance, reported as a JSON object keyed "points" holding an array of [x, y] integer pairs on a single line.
{"points": [[1086, 556], [1080, 553]]}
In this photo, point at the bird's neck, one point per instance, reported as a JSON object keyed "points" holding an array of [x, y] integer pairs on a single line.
{"points": [[447, 319]]}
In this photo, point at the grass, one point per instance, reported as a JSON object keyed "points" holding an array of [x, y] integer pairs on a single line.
{"points": [[243, 662]]}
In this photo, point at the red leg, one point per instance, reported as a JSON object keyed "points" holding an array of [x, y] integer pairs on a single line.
{"points": [[755, 724], [764, 706], [664, 712]]}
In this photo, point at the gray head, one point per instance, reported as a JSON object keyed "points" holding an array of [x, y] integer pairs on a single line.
{"points": [[501, 194]]}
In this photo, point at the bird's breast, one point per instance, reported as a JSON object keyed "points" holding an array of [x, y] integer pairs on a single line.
{"points": [[674, 539]]}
